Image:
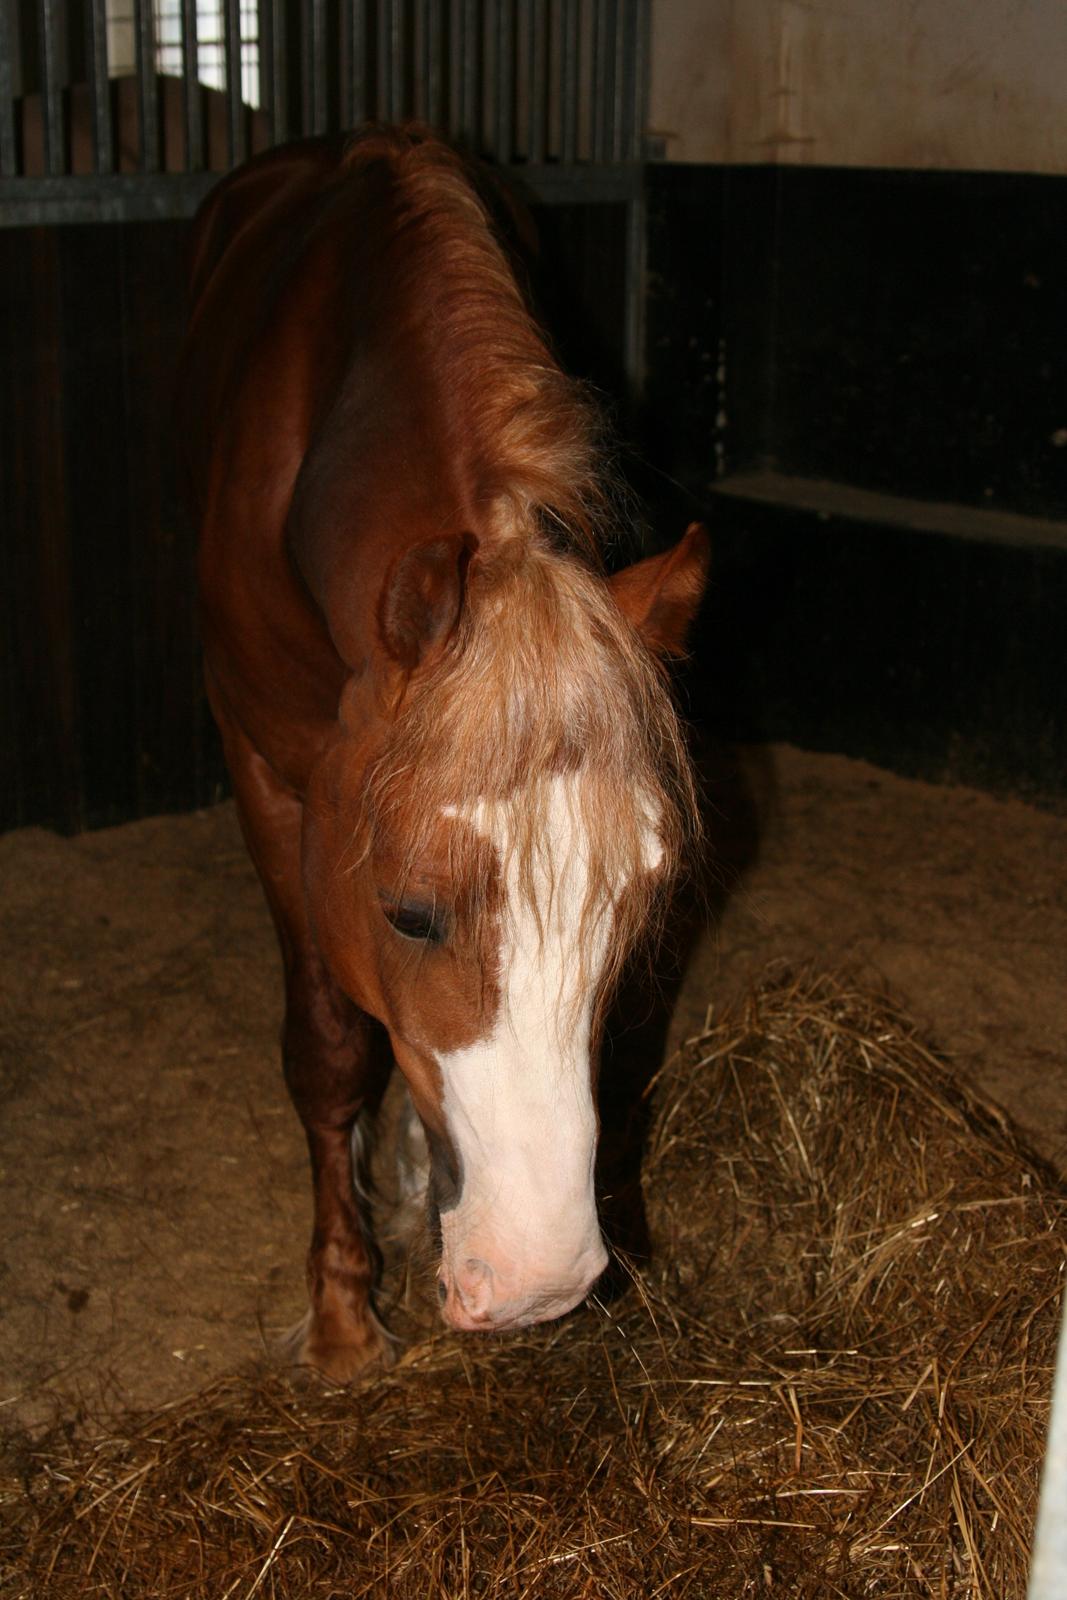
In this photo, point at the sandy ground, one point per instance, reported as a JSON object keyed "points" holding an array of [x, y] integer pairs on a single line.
{"points": [[153, 1183]]}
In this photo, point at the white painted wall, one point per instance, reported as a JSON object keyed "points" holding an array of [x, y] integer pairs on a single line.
{"points": [[978, 84]]}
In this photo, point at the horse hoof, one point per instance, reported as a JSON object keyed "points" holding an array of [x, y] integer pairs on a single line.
{"points": [[338, 1355]]}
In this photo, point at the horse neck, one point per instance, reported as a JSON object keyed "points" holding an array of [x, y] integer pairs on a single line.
{"points": [[452, 413]]}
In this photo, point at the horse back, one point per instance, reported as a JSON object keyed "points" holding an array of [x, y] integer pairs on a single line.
{"points": [[276, 311]]}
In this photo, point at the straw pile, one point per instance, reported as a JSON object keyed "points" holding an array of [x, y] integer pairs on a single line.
{"points": [[832, 1381]]}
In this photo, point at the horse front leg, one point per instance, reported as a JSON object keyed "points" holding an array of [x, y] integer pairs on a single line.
{"points": [[337, 1062]]}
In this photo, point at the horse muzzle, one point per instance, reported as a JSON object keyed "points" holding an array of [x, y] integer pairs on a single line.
{"points": [[478, 1297]]}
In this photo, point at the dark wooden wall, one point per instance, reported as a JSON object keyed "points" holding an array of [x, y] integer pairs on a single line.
{"points": [[860, 377], [102, 714]]}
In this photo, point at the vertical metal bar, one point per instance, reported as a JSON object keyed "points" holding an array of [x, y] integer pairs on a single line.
{"points": [[626, 82], [455, 66], [236, 138], [274, 11], [618, 75], [596, 81], [147, 101], [396, 61], [417, 58], [7, 97], [359, 63], [262, 50], [319, 74], [642, 55], [265, 17], [313, 111], [345, 31], [51, 103], [470, 104], [192, 101], [504, 82], [570, 47], [305, 123], [381, 64], [432, 62], [602, 89], [536, 80], [414, 58], [99, 96]]}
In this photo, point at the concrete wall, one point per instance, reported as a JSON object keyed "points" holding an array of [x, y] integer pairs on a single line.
{"points": [[966, 84]]}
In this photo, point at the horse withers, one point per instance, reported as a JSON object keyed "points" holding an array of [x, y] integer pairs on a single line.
{"points": [[454, 754]]}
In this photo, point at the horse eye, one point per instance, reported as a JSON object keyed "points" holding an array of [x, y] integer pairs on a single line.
{"points": [[415, 922]]}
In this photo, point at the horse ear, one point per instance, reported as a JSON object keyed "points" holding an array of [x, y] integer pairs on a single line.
{"points": [[420, 603], [661, 594]]}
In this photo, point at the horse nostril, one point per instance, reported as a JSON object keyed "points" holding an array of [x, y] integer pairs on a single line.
{"points": [[475, 1286], [442, 1291]]}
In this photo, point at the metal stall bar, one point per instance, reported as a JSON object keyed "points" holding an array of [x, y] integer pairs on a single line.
{"points": [[7, 98], [353, 63], [360, 63], [640, 56], [390, 97], [429, 80], [504, 82], [461, 55], [313, 42], [415, 62], [601, 131], [147, 98], [455, 57], [470, 75], [595, 107], [236, 142], [99, 95], [381, 65], [621, 97], [570, 56], [435, 45], [273, 67], [426, 58], [51, 103], [398, 56], [192, 102], [624, 87], [517, 74], [536, 80], [346, 30]]}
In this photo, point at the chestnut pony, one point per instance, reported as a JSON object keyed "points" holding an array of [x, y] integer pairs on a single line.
{"points": [[455, 758]]}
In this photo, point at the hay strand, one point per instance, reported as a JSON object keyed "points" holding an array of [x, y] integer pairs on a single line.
{"points": [[832, 1380]]}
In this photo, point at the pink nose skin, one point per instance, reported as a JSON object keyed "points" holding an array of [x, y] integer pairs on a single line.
{"points": [[473, 1300], [473, 1288]]}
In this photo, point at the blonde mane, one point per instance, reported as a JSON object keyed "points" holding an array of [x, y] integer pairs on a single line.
{"points": [[531, 438], [543, 674]]}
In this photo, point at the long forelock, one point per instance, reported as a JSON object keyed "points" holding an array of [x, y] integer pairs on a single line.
{"points": [[544, 676]]}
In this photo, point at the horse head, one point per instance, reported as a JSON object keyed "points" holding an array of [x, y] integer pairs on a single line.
{"points": [[485, 837]]}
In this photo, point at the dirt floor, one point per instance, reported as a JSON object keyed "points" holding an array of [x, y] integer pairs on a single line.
{"points": [[153, 1182]]}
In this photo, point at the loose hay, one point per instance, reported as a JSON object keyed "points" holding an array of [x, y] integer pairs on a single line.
{"points": [[833, 1380]]}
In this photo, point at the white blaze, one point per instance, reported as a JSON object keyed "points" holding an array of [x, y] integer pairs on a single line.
{"points": [[519, 1102]]}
